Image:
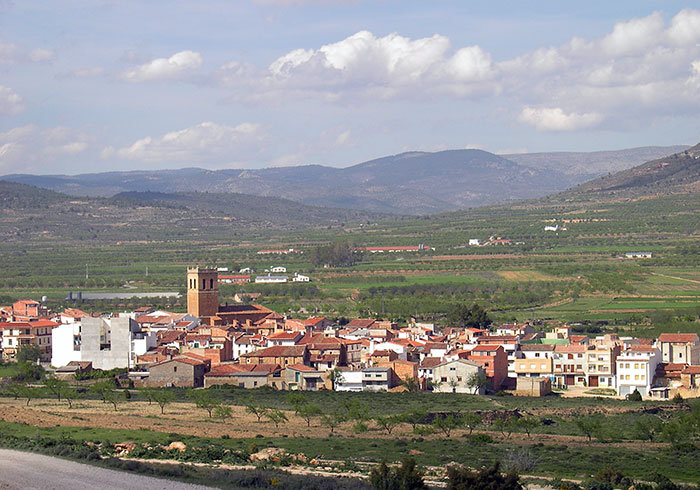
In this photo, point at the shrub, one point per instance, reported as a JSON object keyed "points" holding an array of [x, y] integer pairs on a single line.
{"points": [[635, 396]]}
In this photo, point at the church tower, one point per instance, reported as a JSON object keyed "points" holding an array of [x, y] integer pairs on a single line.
{"points": [[202, 292]]}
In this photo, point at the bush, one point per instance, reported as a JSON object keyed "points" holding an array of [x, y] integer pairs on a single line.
{"points": [[635, 396]]}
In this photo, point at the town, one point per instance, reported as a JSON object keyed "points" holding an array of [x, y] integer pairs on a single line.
{"points": [[251, 346]]}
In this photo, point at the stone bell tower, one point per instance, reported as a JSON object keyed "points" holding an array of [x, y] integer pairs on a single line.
{"points": [[202, 292]]}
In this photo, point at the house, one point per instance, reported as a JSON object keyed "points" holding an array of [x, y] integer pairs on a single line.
{"points": [[453, 376], [69, 371], [113, 342], [474, 242], [246, 297], [71, 315], [278, 269], [377, 379], [65, 344], [279, 354], [683, 348], [278, 251], [635, 369], [349, 380], [284, 338], [494, 361], [18, 334], [181, 372], [600, 365], [533, 386], [234, 278], [301, 377], [569, 365], [426, 366], [537, 361], [244, 375], [270, 279], [300, 278], [27, 310], [639, 255]]}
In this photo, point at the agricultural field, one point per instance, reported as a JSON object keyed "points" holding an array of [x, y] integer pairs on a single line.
{"points": [[559, 437], [577, 275]]}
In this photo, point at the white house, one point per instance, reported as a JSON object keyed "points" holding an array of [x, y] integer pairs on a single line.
{"points": [[300, 278], [270, 279], [474, 242], [635, 369], [65, 344], [278, 269], [349, 381], [453, 376]]}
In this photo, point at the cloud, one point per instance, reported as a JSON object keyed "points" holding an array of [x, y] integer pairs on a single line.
{"points": [[176, 67], [555, 119], [31, 149], [88, 72], [12, 54], [642, 68], [11, 103], [205, 143]]}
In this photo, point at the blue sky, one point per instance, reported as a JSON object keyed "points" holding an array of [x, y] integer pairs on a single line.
{"points": [[96, 85]]}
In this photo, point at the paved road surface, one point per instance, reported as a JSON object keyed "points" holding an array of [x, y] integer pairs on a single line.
{"points": [[28, 471]]}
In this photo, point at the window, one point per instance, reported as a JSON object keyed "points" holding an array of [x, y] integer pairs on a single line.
{"points": [[636, 377], [533, 366], [174, 369], [543, 366], [443, 379], [642, 377], [636, 365]]}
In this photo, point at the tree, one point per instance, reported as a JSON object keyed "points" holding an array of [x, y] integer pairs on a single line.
{"points": [[461, 478], [356, 410], [101, 388], [647, 427], [635, 396], [276, 416], [257, 410], [506, 425], [148, 393], [336, 254], [471, 420], [589, 427], [447, 423], [28, 353], [70, 395], [222, 412], [28, 392], [56, 386], [469, 316], [527, 424], [414, 418], [308, 412], [387, 423], [406, 477], [162, 398], [411, 384], [335, 376], [203, 399], [520, 460], [296, 400], [477, 381], [333, 420]]}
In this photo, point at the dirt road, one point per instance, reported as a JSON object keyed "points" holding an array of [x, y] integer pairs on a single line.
{"points": [[28, 471]]}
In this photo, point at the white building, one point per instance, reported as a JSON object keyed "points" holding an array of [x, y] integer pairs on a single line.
{"points": [[349, 381], [270, 279], [474, 242], [551, 228], [278, 269], [65, 344], [300, 278], [635, 369]]}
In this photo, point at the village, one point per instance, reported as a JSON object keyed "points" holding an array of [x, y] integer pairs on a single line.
{"points": [[251, 346]]}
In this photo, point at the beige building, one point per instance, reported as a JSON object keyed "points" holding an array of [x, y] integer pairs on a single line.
{"points": [[453, 376], [681, 348]]}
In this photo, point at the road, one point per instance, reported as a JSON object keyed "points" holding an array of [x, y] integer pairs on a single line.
{"points": [[29, 471]]}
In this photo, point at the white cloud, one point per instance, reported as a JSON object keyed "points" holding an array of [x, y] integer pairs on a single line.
{"points": [[173, 68], [31, 149], [11, 103], [555, 119], [634, 36], [12, 54], [88, 72], [207, 143]]}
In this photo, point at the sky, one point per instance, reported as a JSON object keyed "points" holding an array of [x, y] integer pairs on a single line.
{"points": [[101, 85]]}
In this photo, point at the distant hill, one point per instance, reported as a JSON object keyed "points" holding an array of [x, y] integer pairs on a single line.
{"points": [[408, 183], [589, 165], [678, 173], [27, 212]]}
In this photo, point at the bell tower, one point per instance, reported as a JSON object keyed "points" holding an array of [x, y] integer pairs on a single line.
{"points": [[202, 292]]}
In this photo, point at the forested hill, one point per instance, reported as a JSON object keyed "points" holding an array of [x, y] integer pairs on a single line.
{"points": [[407, 183], [31, 213], [678, 173]]}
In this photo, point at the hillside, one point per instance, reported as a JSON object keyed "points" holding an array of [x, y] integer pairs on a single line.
{"points": [[678, 173], [29, 212], [408, 183]]}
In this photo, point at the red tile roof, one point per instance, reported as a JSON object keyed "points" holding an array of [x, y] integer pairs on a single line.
{"points": [[678, 337]]}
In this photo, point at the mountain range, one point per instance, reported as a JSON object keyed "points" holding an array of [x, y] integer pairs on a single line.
{"points": [[408, 183]]}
